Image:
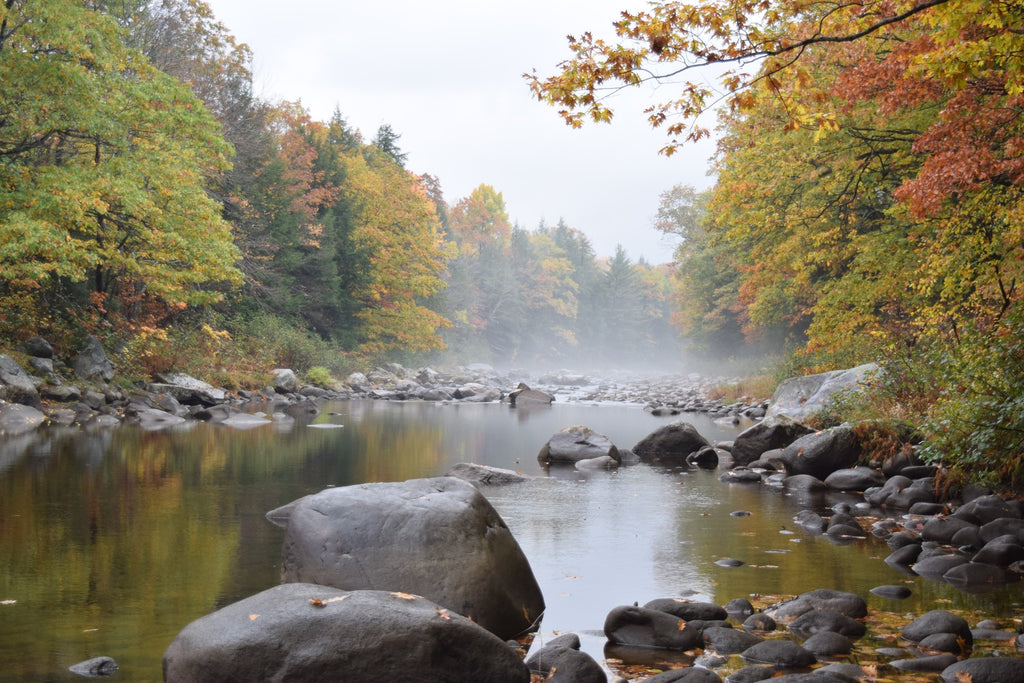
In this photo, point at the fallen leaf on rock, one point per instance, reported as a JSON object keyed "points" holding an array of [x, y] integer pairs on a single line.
{"points": [[443, 613], [405, 596], [316, 602], [253, 617]]}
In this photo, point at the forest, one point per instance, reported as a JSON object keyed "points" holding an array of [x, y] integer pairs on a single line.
{"points": [[152, 200], [869, 196], [868, 206]]}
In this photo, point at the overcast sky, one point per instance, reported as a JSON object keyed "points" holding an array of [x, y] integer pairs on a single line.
{"points": [[446, 75]]}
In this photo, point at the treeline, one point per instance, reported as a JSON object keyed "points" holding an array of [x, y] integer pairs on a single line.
{"points": [[869, 203], [152, 199]]}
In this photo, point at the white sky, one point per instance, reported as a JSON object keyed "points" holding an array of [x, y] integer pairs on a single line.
{"points": [[446, 75]]}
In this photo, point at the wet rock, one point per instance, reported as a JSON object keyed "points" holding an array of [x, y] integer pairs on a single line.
{"points": [[974, 574], [759, 622], [671, 445], [1003, 526], [935, 566], [919, 490], [706, 458], [847, 604], [942, 529], [641, 627], [985, 670], [752, 673], [95, 667], [16, 418], [770, 433], [605, 462], [926, 664], [821, 453], [691, 674], [828, 644], [811, 522], [818, 620], [438, 538], [739, 608], [576, 443], [523, 395], [688, 610], [781, 653], [939, 643], [562, 660], [729, 562], [728, 640], [805, 483], [937, 621], [485, 474], [985, 508], [854, 479], [308, 633]]}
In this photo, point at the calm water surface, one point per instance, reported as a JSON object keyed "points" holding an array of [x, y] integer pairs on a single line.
{"points": [[111, 541]]}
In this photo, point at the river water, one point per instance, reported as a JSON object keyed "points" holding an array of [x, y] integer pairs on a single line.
{"points": [[112, 540]]}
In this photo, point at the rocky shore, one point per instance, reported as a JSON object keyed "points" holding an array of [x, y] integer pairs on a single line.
{"points": [[82, 391]]}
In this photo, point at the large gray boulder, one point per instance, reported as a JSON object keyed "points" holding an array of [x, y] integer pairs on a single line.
{"points": [[16, 418], [187, 390], [671, 444], [92, 364], [438, 538], [821, 453], [803, 397], [523, 396], [16, 385], [767, 435], [305, 633], [576, 443]]}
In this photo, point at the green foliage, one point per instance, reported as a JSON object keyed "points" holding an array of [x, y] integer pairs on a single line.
{"points": [[977, 424], [319, 376], [105, 161]]}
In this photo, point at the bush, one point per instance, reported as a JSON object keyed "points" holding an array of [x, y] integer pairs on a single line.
{"points": [[319, 376], [977, 424]]}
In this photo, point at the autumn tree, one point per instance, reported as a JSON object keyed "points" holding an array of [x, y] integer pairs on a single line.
{"points": [[105, 160], [869, 181]]}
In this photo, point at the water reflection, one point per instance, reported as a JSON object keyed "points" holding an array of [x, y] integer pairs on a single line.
{"points": [[111, 540]]}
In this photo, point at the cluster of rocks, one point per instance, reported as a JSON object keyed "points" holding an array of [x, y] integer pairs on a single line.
{"points": [[380, 582], [79, 391], [784, 641], [972, 540], [677, 444]]}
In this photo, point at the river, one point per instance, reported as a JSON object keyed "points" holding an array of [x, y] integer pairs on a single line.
{"points": [[112, 540]]}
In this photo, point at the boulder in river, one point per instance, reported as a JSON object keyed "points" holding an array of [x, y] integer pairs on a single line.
{"points": [[671, 445], [307, 633], [439, 538], [523, 395], [575, 443], [769, 434]]}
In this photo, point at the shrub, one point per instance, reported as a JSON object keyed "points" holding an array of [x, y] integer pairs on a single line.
{"points": [[319, 376]]}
